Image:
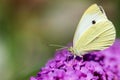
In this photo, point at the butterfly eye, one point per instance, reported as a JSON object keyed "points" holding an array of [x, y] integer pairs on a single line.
{"points": [[93, 22]]}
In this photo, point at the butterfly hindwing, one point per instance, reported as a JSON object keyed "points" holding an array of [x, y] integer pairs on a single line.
{"points": [[96, 38]]}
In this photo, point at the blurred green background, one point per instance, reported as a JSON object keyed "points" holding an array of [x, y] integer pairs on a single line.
{"points": [[28, 27]]}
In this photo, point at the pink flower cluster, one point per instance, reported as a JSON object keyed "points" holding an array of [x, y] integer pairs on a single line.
{"points": [[97, 65]]}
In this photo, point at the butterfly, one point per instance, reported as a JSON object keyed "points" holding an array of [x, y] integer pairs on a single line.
{"points": [[94, 32]]}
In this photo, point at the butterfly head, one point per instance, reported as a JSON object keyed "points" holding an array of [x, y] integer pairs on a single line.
{"points": [[73, 50]]}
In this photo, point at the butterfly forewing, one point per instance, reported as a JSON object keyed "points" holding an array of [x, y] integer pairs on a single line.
{"points": [[94, 32]]}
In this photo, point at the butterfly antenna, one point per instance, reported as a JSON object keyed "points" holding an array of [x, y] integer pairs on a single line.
{"points": [[55, 45]]}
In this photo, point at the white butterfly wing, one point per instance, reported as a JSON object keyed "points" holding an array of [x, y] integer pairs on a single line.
{"points": [[94, 32], [92, 13]]}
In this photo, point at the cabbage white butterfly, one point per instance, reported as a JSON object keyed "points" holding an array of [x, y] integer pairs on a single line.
{"points": [[94, 32]]}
